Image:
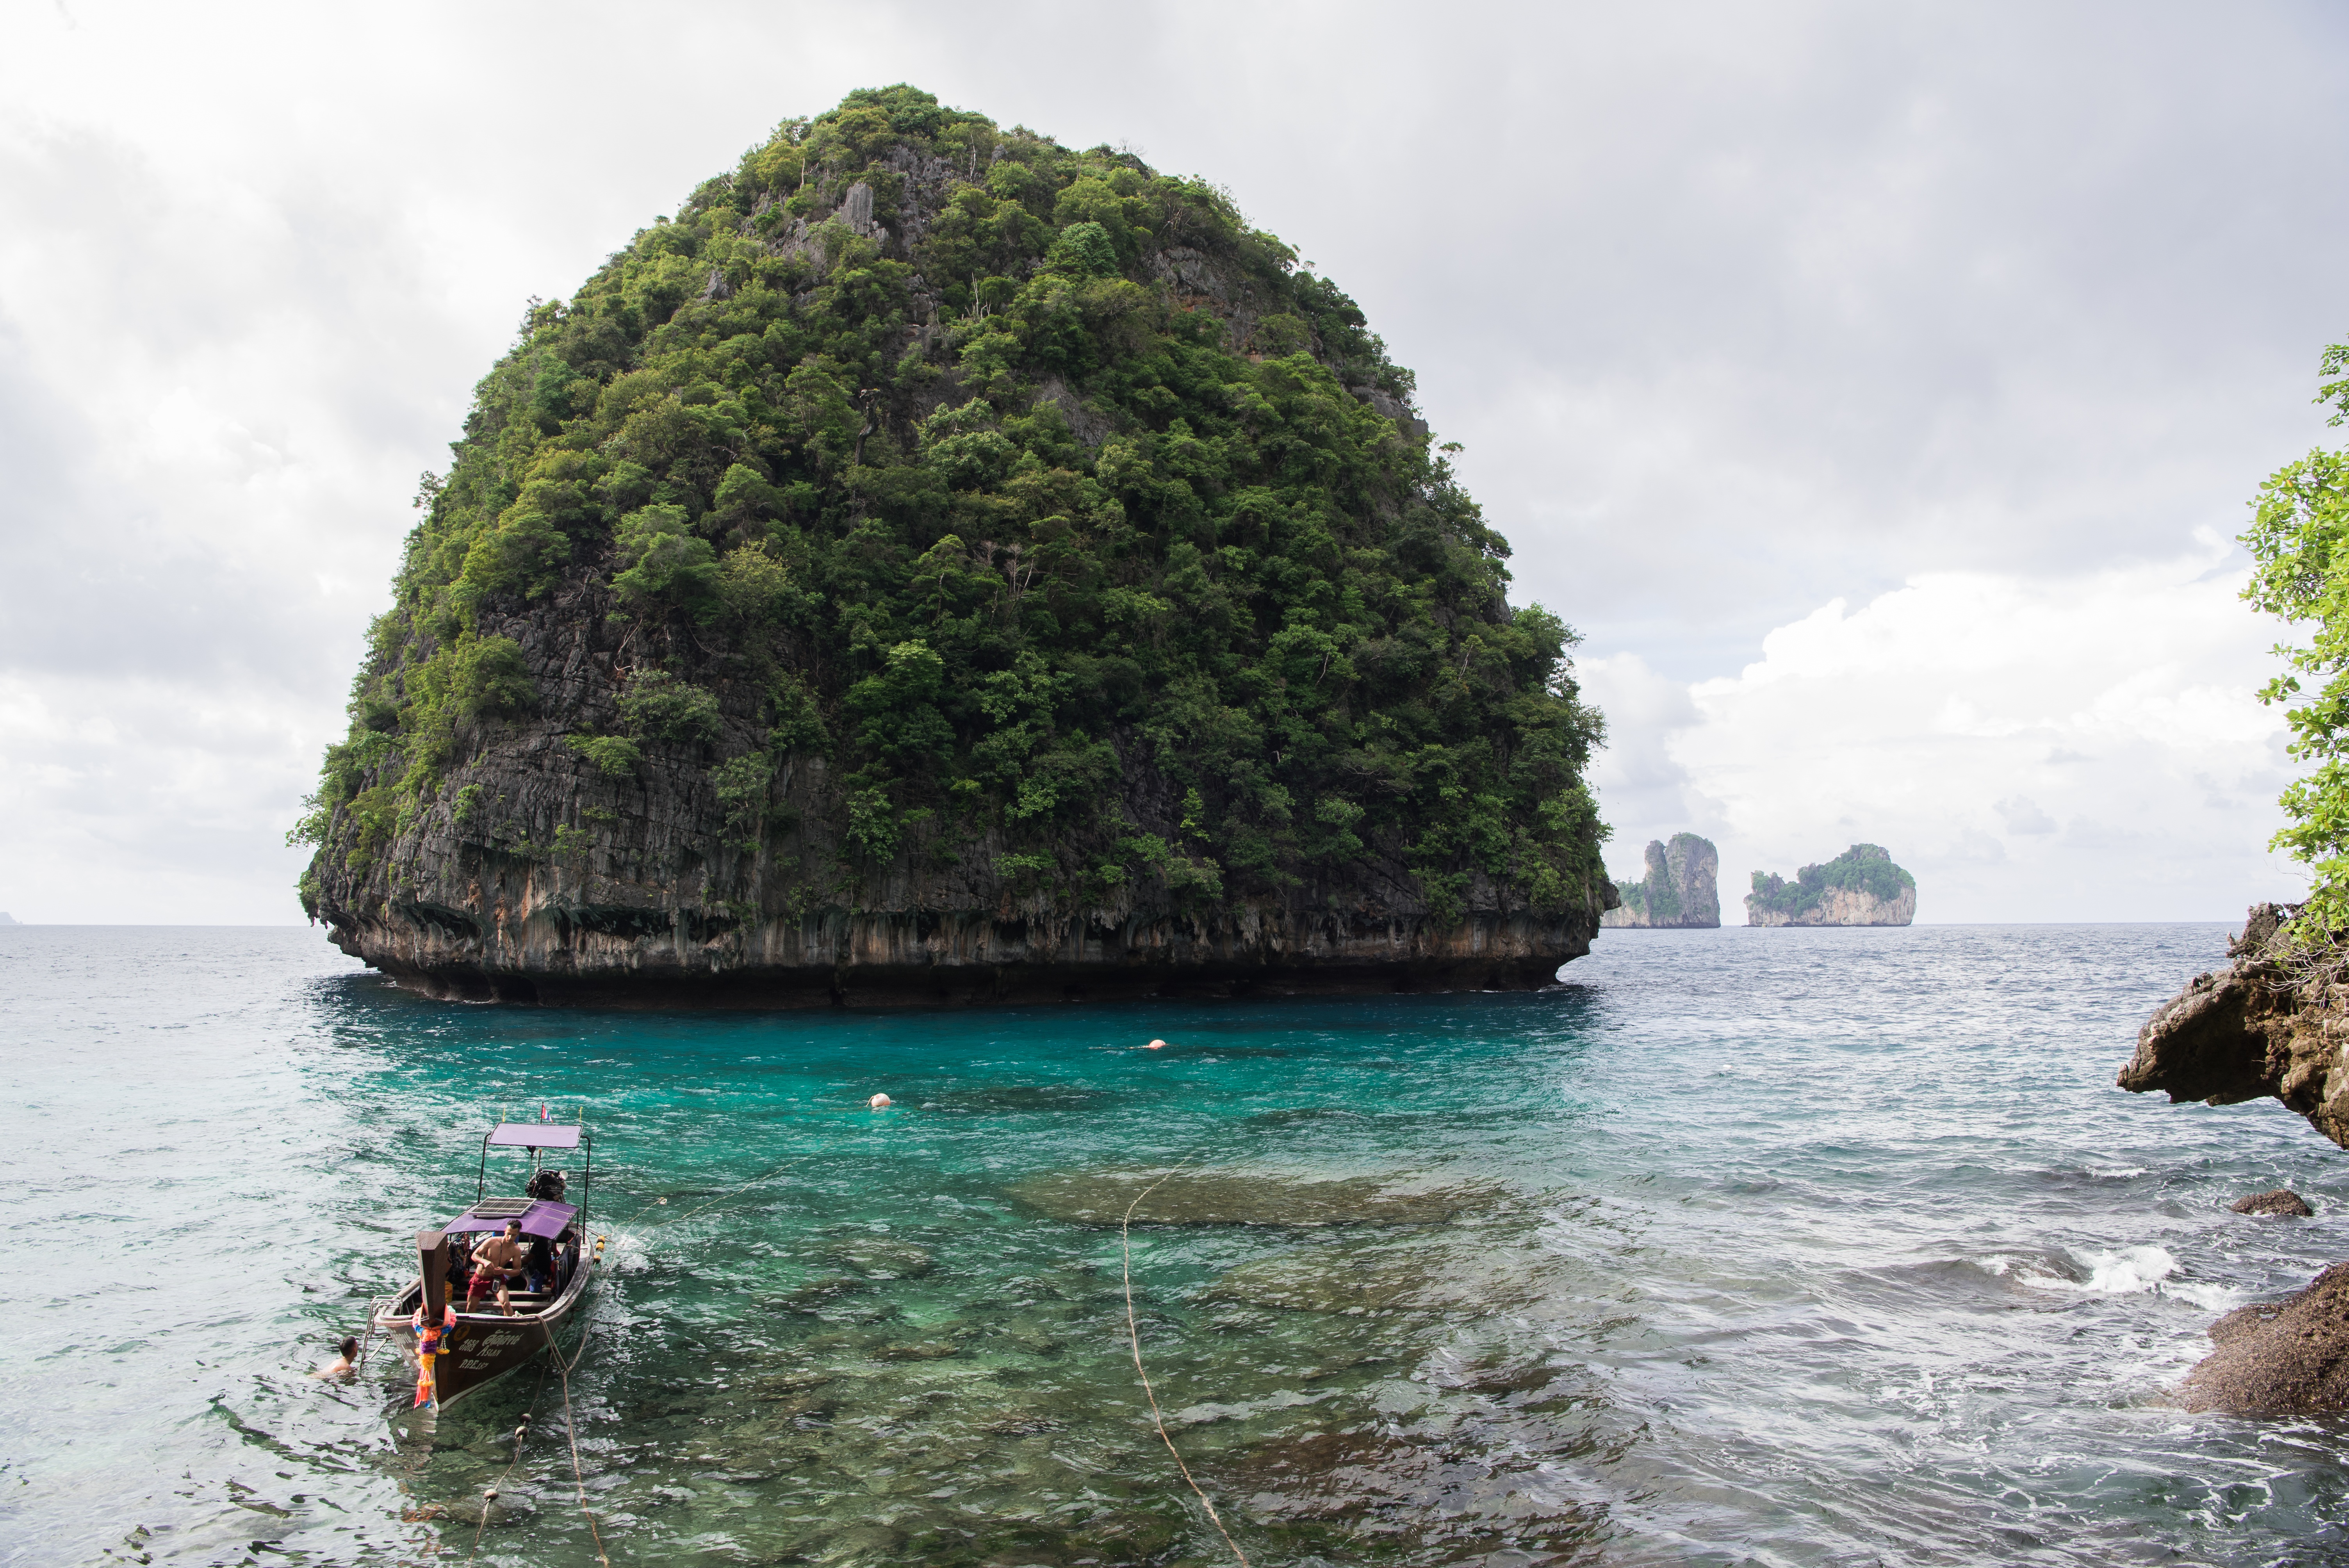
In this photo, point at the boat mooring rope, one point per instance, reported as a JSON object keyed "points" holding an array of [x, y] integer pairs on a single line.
{"points": [[490, 1494], [723, 1193], [571, 1433], [366, 1342], [1133, 1337]]}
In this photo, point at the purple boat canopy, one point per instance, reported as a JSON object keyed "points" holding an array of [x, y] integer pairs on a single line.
{"points": [[534, 1135], [541, 1219]]}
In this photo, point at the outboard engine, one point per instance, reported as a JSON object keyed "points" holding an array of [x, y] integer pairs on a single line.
{"points": [[547, 1186]]}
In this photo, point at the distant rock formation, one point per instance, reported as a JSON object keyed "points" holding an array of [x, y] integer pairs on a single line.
{"points": [[1682, 892], [1860, 886], [6, 919]]}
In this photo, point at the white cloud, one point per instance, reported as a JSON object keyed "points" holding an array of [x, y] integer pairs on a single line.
{"points": [[2082, 748], [149, 801], [2022, 814]]}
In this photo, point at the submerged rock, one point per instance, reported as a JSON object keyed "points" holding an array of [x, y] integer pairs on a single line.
{"points": [[876, 1257], [1357, 1280], [2283, 1201], [815, 1293], [1239, 1198], [2279, 1359], [917, 1350], [787, 1385]]}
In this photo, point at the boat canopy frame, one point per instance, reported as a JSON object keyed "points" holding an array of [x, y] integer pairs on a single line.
{"points": [[533, 1137]]}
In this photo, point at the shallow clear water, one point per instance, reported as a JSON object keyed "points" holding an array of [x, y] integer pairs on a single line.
{"points": [[1779, 1247]]}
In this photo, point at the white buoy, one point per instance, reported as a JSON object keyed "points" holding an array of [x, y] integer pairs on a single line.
{"points": [[1155, 1046], [879, 1102]]}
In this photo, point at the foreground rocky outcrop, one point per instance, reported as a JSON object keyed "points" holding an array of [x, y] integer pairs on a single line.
{"points": [[1682, 890], [2279, 1359], [2271, 1024], [2267, 1025]]}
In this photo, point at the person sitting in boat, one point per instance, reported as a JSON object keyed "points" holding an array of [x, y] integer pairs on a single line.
{"points": [[566, 1256], [538, 1267], [461, 1265], [498, 1263]]}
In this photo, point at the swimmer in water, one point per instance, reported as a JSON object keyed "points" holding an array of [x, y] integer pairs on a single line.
{"points": [[341, 1366]]}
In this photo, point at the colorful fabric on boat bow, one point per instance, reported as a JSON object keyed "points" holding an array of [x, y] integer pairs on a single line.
{"points": [[429, 1341]]}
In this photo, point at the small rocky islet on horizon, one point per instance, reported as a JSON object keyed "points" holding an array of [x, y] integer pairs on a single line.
{"points": [[1681, 891], [937, 563], [1862, 886]]}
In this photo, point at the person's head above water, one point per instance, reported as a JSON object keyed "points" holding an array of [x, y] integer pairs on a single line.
{"points": [[349, 1346]]}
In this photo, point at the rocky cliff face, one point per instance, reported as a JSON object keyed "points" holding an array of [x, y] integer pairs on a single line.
{"points": [[659, 906], [2266, 1026], [812, 617], [2273, 1023], [1682, 888], [1842, 906]]}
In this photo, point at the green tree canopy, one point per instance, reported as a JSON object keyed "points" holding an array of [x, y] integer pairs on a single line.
{"points": [[1052, 471], [2299, 539]]}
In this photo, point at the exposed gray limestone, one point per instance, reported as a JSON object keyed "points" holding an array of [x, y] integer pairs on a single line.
{"points": [[856, 207], [1682, 888]]}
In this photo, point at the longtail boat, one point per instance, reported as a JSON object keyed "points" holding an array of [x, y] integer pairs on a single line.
{"points": [[458, 1346]]}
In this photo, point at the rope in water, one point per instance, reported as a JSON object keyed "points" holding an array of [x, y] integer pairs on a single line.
{"points": [[571, 1433], [723, 1193], [1133, 1337], [490, 1494], [366, 1342]]}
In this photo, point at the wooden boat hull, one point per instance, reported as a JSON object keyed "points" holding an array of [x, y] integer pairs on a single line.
{"points": [[485, 1345]]}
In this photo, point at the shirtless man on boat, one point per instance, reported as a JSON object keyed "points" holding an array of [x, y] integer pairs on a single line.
{"points": [[499, 1261]]}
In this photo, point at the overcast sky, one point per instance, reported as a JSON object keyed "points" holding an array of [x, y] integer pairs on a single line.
{"points": [[1879, 389]]}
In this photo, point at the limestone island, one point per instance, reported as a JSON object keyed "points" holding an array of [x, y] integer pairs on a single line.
{"points": [[1681, 891], [939, 564], [1860, 886]]}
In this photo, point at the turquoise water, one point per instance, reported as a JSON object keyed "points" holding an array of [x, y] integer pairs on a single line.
{"points": [[1780, 1247]]}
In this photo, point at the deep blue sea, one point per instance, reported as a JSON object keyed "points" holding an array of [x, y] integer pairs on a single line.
{"points": [[1739, 1247]]}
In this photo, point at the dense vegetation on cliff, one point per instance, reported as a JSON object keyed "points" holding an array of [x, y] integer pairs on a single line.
{"points": [[1863, 868], [954, 461], [2299, 538]]}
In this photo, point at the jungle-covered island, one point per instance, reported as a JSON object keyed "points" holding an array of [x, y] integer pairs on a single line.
{"points": [[935, 563], [1860, 886]]}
